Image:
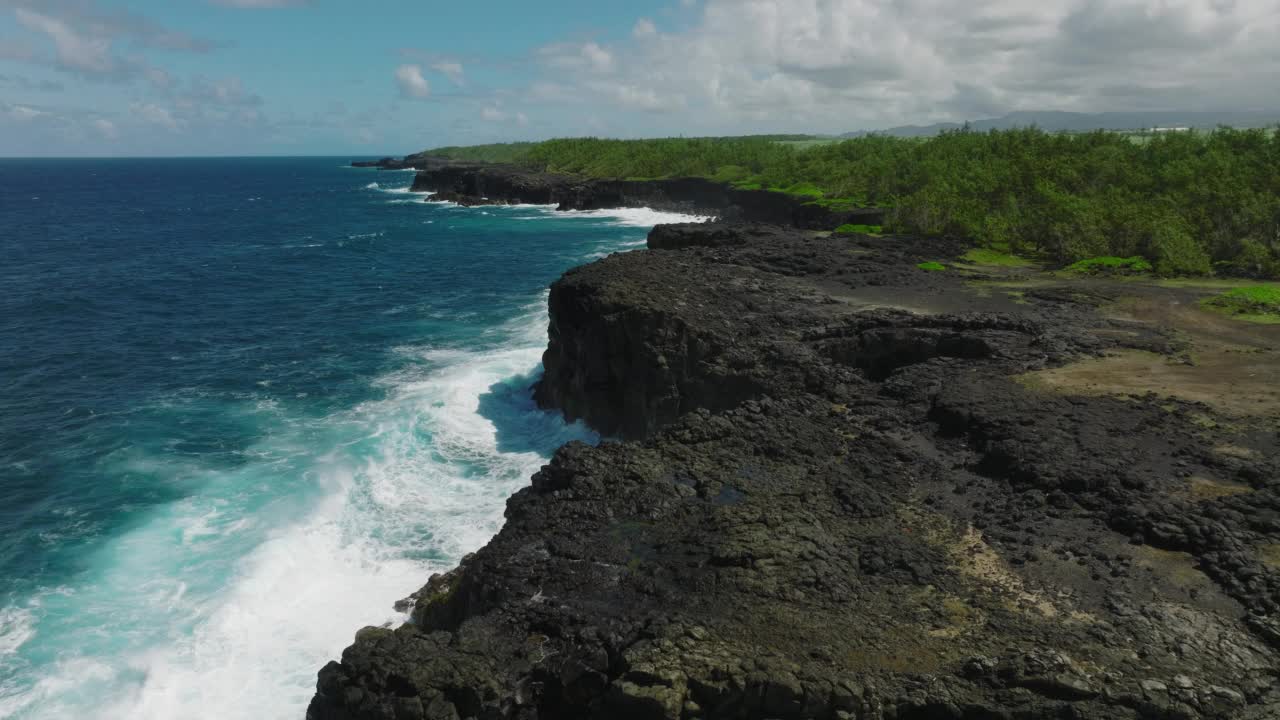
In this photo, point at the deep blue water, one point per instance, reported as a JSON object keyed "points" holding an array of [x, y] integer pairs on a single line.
{"points": [[245, 405]]}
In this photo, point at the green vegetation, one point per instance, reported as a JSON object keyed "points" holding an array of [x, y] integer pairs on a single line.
{"points": [[805, 189], [812, 142], [1111, 266], [501, 153], [988, 256], [1188, 203], [1258, 303], [932, 266], [861, 229], [837, 204]]}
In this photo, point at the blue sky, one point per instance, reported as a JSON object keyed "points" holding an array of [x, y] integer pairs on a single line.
{"points": [[184, 77]]}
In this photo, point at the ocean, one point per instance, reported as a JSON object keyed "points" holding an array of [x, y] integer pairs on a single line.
{"points": [[245, 406]]}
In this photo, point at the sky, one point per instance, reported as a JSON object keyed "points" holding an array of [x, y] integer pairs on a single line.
{"points": [[340, 77]]}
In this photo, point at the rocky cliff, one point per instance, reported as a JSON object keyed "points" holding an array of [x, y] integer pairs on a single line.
{"points": [[840, 498], [481, 184]]}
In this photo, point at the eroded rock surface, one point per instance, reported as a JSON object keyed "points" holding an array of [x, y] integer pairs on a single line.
{"points": [[831, 504]]}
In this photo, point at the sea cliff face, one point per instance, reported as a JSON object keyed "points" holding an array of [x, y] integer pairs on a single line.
{"points": [[834, 501], [481, 184]]}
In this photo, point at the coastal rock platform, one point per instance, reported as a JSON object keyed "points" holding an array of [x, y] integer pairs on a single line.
{"points": [[843, 486]]}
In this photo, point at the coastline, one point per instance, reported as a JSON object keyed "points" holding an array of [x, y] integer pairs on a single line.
{"points": [[477, 184], [790, 430]]}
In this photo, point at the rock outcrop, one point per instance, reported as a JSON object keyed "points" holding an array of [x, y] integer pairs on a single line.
{"points": [[481, 184], [834, 500], [386, 163]]}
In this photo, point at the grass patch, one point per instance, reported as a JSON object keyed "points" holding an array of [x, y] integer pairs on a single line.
{"points": [[1257, 303], [1270, 554], [932, 266], [986, 256], [860, 229], [1202, 488], [1110, 266]]}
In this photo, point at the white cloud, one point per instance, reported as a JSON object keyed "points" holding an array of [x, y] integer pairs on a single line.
{"points": [[589, 56], [156, 115], [412, 84], [106, 128], [647, 99], [644, 28], [84, 36], [228, 92], [160, 79], [450, 69], [832, 65], [551, 92], [74, 51], [492, 114], [23, 113], [601, 59]]}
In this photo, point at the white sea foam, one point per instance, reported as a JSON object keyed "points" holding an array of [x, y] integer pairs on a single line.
{"points": [[526, 206], [17, 626], [634, 217], [226, 603], [392, 190], [239, 593], [624, 217]]}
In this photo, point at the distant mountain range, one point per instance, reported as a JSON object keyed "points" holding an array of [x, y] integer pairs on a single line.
{"points": [[1082, 122]]}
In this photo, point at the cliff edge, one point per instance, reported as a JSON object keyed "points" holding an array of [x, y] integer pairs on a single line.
{"points": [[845, 490]]}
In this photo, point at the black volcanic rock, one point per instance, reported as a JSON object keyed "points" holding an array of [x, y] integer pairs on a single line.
{"points": [[498, 184], [510, 184], [833, 501], [387, 163]]}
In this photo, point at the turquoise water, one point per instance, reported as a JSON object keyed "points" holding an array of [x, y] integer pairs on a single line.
{"points": [[245, 405]]}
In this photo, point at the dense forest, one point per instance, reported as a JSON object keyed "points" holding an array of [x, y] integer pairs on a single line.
{"points": [[1190, 203]]}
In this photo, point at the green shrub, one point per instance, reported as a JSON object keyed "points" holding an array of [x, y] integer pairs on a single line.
{"points": [[932, 266], [837, 204], [731, 174], [850, 228], [1111, 266], [804, 189], [987, 256], [1175, 251], [1260, 303], [1251, 259]]}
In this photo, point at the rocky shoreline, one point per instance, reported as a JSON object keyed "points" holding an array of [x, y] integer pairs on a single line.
{"points": [[844, 488], [474, 184]]}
